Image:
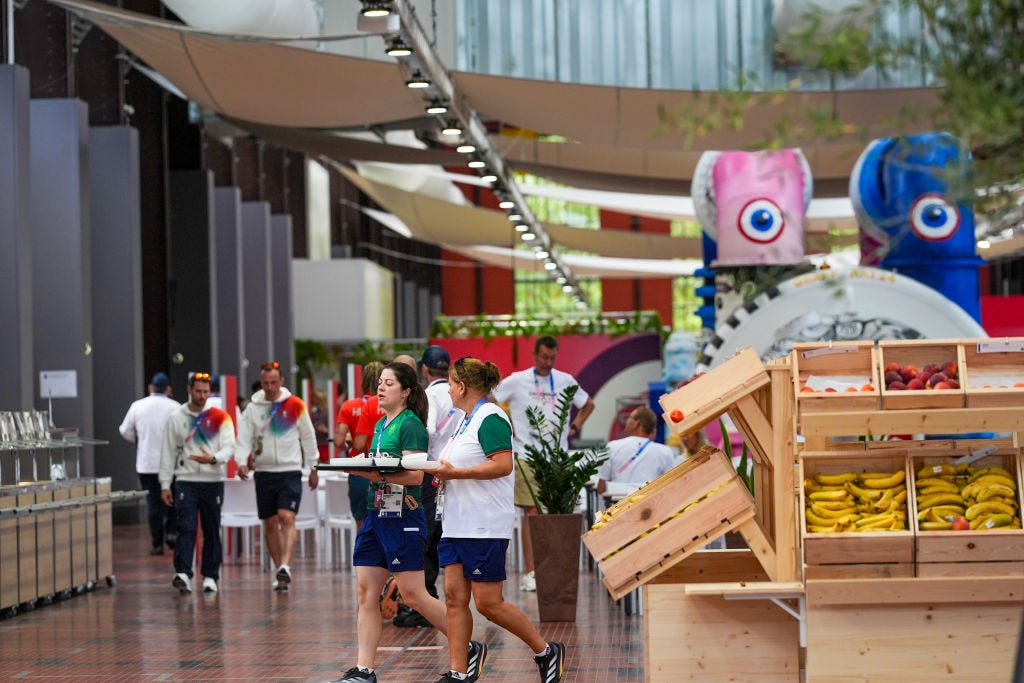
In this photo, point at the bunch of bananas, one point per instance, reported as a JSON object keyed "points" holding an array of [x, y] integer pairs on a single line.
{"points": [[985, 497], [856, 501]]}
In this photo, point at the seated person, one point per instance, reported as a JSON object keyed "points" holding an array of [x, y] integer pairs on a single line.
{"points": [[689, 444], [636, 458]]}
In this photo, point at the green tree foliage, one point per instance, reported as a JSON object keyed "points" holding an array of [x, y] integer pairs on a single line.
{"points": [[975, 49]]}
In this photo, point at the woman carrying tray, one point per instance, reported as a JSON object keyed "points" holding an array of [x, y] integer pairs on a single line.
{"points": [[393, 537], [478, 515]]}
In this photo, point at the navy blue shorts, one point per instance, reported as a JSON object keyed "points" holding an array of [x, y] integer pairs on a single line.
{"points": [[277, 491], [397, 544], [482, 559], [357, 487]]}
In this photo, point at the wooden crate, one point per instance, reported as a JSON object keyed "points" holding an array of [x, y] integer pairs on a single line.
{"points": [[668, 519], [993, 372], [705, 398], [920, 353], [841, 366], [968, 552], [869, 554]]}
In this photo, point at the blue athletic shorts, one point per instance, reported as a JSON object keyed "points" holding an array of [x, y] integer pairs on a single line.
{"points": [[277, 491], [482, 559], [397, 544]]}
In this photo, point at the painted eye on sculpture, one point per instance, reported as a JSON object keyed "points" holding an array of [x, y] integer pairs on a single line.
{"points": [[933, 218], [761, 220]]}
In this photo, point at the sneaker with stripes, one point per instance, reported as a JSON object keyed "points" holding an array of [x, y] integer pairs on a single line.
{"points": [[475, 660], [551, 663]]}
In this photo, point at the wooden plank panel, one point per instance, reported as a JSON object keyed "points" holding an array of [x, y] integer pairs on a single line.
{"points": [[886, 642], [44, 545], [104, 532], [937, 569], [710, 639], [784, 482], [26, 548], [62, 542], [715, 565], [937, 421], [928, 591], [859, 571], [79, 538]]}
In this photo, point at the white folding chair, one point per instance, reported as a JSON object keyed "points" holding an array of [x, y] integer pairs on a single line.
{"points": [[339, 517], [308, 518], [238, 511]]}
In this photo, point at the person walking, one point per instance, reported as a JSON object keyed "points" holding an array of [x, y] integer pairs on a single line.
{"points": [[393, 537], [478, 518], [344, 430], [198, 440], [277, 431], [538, 387], [143, 425]]}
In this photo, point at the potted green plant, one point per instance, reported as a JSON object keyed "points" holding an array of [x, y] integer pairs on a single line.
{"points": [[560, 475]]}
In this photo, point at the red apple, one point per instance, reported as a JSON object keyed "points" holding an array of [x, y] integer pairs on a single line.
{"points": [[960, 524]]}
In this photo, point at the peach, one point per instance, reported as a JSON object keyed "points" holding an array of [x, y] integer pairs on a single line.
{"points": [[953, 384], [868, 387], [892, 367], [893, 376], [936, 378], [908, 372], [915, 384], [941, 385], [831, 390], [806, 389], [850, 389], [896, 386], [950, 369]]}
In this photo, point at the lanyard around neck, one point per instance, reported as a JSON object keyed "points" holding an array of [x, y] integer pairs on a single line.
{"points": [[536, 385], [635, 456]]}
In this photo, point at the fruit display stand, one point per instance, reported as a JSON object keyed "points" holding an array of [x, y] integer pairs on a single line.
{"points": [[902, 604], [926, 626], [702, 607]]}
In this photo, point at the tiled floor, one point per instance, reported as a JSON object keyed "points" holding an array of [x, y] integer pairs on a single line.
{"points": [[144, 630]]}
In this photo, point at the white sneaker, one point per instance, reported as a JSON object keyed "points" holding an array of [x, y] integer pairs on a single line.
{"points": [[209, 584], [528, 583], [182, 582]]}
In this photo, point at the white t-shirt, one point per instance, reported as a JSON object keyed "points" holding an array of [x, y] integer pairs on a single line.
{"points": [[442, 418], [479, 508], [526, 388], [144, 425], [636, 460]]}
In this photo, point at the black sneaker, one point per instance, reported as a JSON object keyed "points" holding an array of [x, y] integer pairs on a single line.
{"points": [[284, 577], [475, 660], [356, 675], [410, 618], [552, 663], [171, 540], [449, 678], [157, 550]]}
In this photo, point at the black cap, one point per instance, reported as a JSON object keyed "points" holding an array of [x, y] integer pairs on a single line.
{"points": [[160, 381], [435, 358]]}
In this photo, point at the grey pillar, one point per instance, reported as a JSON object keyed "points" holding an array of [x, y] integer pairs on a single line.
{"points": [[229, 337], [256, 274], [115, 216], [61, 268], [282, 325], [16, 359], [190, 262]]}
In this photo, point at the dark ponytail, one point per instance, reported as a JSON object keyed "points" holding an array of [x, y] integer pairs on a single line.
{"points": [[417, 399]]}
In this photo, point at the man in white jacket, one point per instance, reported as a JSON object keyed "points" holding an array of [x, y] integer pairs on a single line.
{"points": [[144, 426], [198, 440], [277, 431]]}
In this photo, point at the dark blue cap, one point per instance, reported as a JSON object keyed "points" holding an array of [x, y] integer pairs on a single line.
{"points": [[160, 381], [435, 358]]}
